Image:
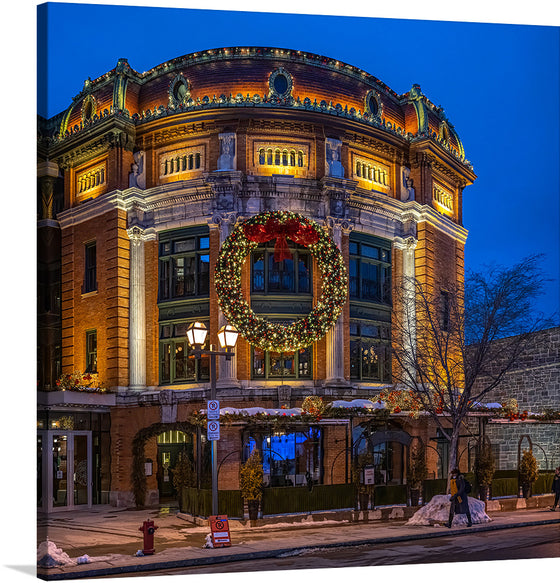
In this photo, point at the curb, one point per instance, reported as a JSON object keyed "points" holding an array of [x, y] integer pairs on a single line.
{"points": [[272, 553]]}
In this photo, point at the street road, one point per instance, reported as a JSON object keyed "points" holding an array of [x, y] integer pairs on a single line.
{"points": [[517, 543]]}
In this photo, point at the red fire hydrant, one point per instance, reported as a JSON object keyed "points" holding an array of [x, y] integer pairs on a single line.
{"points": [[148, 528]]}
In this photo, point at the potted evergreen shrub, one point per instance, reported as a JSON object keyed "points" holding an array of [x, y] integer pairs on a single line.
{"points": [[183, 477], [484, 468], [251, 477], [417, 473], [528, 472]]}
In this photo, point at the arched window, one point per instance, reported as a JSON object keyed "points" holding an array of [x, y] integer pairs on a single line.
{"points": [[191, 161], [261, 156], [197, 160], [300, 159], [292, 158], [269, 157], [277, 157], [358, 169], [284, 157]]}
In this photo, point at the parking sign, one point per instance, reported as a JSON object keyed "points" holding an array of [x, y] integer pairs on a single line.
{"points": [[213, 430], [213, 409]]}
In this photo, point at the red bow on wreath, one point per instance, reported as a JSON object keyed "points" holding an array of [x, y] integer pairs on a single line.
{"points": [[273, 229]]}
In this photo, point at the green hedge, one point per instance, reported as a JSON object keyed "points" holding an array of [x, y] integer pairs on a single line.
{"points": [[199, 502], [543, 485], [505, 474], [300, 499], [385, 495], [504, 487], [433, 488]]}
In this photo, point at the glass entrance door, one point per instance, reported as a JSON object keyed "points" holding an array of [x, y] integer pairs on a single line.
{"points": [[66, 467]]}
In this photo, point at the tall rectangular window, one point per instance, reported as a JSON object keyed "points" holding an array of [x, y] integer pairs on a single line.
{"points": [[90, 271], [271, 365], [184, 268], [91, 351], [288, 276], [445, 311], [369, 351], [178, 364], [370, 272]]}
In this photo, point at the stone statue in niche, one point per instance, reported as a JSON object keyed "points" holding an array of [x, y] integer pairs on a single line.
{"points": [[407, 190], [337, 208], [226, 161], [137, 177], [334, 154]]}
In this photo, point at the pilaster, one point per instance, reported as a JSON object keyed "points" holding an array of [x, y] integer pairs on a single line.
{"points": [[408, 246], [137, 312], [335, 336], [227, 369]]}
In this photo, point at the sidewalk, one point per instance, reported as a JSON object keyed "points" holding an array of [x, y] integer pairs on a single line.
{"points": [[110, 537]]}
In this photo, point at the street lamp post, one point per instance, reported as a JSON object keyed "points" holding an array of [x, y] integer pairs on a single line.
{"points": [[197, 333]]}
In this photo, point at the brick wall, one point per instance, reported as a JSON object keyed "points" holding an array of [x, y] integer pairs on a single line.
{"points": [[104, 310], [335, 441], [151, 262]]}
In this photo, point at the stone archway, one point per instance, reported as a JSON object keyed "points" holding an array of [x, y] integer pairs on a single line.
{"points": [[138, 477]]}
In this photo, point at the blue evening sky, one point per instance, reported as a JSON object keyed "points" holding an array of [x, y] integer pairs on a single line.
{"points": [[498, 83]]}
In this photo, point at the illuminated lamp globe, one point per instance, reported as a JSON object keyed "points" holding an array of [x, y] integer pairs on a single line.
{"points": [[227, 335], [196, 334]]}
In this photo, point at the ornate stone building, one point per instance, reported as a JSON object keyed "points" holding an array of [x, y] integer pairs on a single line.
{"points": [[143, 178]]}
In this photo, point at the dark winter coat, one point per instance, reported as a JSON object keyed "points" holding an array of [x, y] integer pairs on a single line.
{"points": [[462, 506], [556, 484]]}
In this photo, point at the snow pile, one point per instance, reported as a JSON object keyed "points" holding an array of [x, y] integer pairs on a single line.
{"points": [[49, 555], [357, 403], [437, 511], [208, 544]]}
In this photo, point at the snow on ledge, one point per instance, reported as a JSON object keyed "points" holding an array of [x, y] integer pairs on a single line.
{"points": [[251, 411], [357, 403]]}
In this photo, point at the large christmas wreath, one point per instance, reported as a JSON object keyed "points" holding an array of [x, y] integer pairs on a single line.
{"points": [[280, 225]]}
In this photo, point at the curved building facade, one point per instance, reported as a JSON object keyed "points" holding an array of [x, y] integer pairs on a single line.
{"points": [[143, 178]]}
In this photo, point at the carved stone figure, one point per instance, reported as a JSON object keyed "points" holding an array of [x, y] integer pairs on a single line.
{"points": [[407, 192], [226, 161], [337, 208], [334, 151], [137, 177]]}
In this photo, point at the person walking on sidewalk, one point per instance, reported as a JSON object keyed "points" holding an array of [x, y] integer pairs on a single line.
{"points": [[459, 498], [556, 488]]}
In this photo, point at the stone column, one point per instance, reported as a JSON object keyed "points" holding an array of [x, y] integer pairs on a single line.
{"points": [[137, 309], [408, 246], [227, 369], [47, 172], [335, 336]]}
